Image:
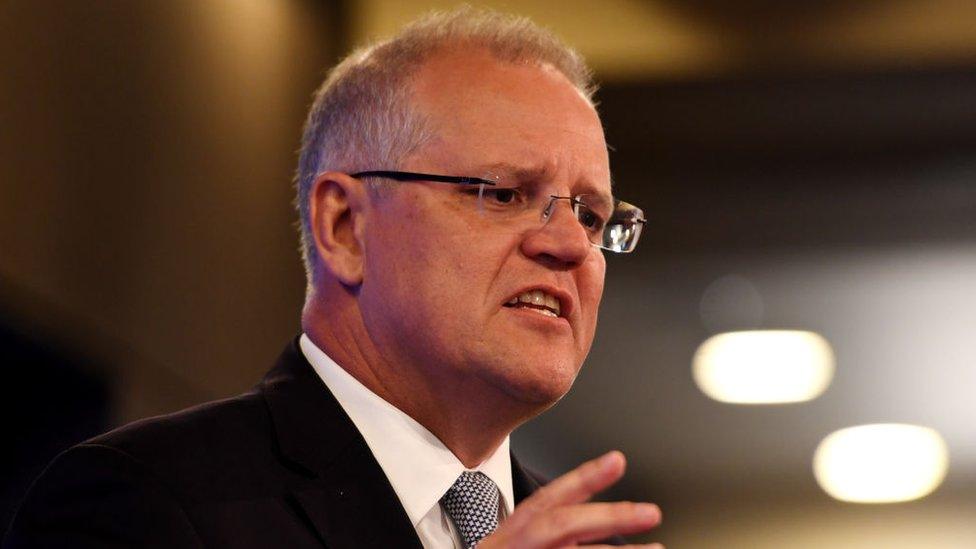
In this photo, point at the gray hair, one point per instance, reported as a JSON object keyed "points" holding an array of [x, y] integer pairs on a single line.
{"points": [[362, 118]]}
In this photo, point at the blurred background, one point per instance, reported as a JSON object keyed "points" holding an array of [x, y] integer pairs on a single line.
{"points": [[804, 165]]}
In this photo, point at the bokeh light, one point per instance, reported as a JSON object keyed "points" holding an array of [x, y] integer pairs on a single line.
{"points": [[881, 463], [764, 366]]}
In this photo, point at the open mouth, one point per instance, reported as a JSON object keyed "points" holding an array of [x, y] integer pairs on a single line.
{"points": [[536, 300]]}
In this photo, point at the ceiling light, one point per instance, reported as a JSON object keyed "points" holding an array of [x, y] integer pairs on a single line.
{"points": [[881, 463], [763, 366]]}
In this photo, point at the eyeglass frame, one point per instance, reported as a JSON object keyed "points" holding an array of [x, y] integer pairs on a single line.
{"points": [[408, 177]]}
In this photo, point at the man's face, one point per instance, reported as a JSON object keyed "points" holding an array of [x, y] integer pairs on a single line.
{"points": [[438, 275]]}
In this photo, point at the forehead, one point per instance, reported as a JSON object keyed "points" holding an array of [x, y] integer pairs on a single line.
{"points": [[486, 112]]}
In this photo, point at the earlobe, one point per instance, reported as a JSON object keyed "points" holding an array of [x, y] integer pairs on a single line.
{"points": [[336, 209]]}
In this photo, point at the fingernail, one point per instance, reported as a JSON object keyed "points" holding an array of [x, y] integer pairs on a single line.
{"points": [[647, 511], [609, 458]]}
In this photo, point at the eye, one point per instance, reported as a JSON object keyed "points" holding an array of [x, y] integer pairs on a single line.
{"points": [[588, 218], [501, 196]]}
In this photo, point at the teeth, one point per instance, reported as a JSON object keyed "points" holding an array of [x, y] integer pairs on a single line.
{"points": [[539, 299]]}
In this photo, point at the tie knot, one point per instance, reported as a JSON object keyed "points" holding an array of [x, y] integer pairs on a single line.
{"points": [[472, 503]]}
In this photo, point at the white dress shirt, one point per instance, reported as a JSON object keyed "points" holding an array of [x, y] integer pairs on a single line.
{"points": [[418, 465]]}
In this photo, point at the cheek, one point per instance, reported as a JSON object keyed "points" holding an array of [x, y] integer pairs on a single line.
{"points": [[590, 284], [422, 259], [591, 280]]}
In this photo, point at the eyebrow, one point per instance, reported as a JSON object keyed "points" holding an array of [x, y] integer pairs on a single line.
{"points": [[522, 173], [531, 173]]}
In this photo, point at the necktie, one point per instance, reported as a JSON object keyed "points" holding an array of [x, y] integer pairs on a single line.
{"points": [[472, 503]]}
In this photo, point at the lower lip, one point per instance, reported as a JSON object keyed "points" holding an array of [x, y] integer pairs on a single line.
{"points": [[540, 319]]}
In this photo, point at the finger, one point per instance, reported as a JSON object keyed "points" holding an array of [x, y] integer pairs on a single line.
{"points": [[591, 521], [633, 546], [580, 484]]}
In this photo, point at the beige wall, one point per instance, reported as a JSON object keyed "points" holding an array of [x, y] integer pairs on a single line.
{"points": [[691, 39], [147, 155]]}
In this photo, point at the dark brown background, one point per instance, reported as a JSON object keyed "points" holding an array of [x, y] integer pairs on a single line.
{"points": [[824, 152]]}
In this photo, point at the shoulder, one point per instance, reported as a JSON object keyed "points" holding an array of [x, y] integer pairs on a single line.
{"points": [[214, 451], [217, 449], [93, 493], [187, 433], [152, 477], [202, 473]]}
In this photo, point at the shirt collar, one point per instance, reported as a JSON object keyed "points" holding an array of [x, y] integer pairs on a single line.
{"points": [[418, 465]]}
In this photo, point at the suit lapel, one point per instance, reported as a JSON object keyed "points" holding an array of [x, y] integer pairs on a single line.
{"points": [[523, 482], [347, 499]]}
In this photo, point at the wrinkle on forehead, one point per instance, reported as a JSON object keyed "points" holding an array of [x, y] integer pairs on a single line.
{"points": [[521, 122]]}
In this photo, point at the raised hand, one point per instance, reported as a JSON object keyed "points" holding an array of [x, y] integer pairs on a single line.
{"points": [[558, 515]]}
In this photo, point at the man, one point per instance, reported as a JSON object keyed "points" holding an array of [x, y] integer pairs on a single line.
{"points": [[454, 190]]}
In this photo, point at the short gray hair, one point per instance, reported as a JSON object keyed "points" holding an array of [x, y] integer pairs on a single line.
{"points": [[362, 118]]}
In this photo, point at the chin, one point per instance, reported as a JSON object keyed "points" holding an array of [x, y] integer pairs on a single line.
{"points": [[538, 387]]}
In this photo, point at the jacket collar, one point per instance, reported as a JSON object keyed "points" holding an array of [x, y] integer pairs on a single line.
{"points": [[348, 498], [524, 482]]}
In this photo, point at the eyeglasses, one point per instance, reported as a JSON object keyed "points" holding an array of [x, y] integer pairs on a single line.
{"points": [[610, 224]]}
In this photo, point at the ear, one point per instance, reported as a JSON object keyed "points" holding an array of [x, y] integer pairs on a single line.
{"points": [[336, 208]]}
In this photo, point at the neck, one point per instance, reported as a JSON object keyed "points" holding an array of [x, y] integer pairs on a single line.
{"points": [[468, 416]]}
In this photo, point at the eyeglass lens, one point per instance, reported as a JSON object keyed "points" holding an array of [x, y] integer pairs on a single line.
{"points": [[615, 227]]}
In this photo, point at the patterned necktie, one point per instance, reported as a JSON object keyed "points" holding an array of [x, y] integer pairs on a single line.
{"points": [[472, 503]]}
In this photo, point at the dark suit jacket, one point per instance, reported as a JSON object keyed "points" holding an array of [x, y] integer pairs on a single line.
{"points": [[280, 466]]}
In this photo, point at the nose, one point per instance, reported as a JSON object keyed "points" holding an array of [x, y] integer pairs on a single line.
{"points": [[560, 241]]}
